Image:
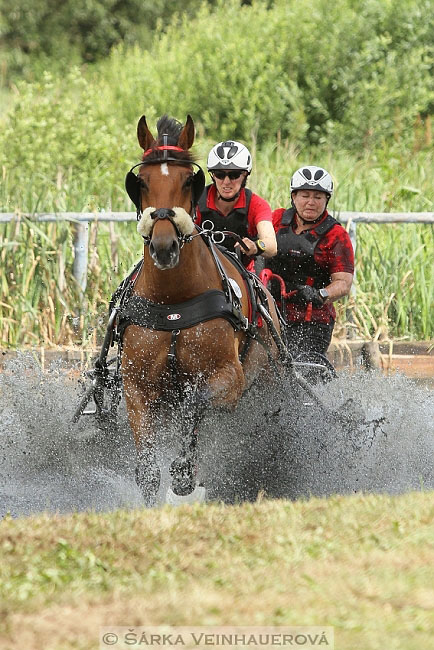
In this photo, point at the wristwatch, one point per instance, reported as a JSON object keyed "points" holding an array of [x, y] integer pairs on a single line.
{"points": [[324, 294], [260, 245]]}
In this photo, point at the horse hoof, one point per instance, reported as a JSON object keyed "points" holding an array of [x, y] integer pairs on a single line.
{"points": [[183, 472], [198, 495]]}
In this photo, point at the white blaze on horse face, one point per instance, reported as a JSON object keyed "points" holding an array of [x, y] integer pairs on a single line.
{"points": [[164, 169], [181, 219]]}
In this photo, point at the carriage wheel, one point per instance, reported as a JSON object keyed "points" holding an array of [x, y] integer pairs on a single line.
{"points": [[315, 367]]}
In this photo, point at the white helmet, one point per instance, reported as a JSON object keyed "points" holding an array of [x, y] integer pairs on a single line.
{"points": [[229, 155], [312, 178]]}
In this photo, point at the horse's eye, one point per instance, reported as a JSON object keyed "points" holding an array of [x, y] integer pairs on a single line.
{"points": [[143, 184], [188, 182]]}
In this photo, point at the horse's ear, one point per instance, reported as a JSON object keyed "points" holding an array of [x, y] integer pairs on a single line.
{"points": [[186, 137], [145, 137]]}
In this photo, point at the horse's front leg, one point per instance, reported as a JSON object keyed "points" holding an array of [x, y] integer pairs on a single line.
{"points": [[183, 469], [226, 384], [142, 420]]}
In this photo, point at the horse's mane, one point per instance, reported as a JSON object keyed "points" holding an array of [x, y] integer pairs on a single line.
{"points": [[172, 128]]}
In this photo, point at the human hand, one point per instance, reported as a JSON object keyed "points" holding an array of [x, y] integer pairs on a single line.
{"points": [[251, 248], [306, 294]]}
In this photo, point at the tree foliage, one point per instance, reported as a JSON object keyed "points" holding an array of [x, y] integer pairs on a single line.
{"points": [[348, 85], [346, 75], [37, 33]]}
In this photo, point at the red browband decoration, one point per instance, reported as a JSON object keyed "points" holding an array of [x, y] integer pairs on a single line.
{"points": [[167, 147]]}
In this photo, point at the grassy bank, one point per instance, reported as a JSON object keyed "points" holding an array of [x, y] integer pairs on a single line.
{"points": [[362, 564]]}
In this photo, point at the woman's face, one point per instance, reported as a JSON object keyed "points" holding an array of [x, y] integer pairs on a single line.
{"points": [[310, 204], [228, 182]]}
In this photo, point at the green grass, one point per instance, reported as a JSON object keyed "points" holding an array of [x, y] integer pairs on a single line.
{"points": [[363, 564]]}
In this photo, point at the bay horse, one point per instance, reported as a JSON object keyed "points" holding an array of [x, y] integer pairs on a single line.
{"points": [[187, 325]]}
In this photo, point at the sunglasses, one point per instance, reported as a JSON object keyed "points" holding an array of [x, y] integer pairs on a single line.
{"points": [[231, 175]]}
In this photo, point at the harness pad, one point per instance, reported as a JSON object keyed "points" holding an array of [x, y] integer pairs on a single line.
{"points": [[206, 306]]}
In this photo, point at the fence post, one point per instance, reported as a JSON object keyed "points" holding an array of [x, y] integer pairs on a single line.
{"points": [[81, 248], [352, 231]]}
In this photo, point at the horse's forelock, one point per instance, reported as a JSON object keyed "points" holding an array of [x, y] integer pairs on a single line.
{"points": [[172, 128], [169, 126]]}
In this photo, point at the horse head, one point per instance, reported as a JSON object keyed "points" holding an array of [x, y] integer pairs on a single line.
{"points": [[166, 189]]}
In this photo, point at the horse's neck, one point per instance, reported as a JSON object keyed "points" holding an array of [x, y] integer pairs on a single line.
{"points": [[195, 273]]}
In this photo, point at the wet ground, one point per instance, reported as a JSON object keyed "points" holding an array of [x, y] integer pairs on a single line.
{"points": [[276, 442]]}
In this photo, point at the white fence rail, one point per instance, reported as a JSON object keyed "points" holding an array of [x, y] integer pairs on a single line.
{"points": [[81, 221]]}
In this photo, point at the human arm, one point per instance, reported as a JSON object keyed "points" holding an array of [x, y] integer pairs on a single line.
{"points": [[260, 227], [267, 235], [339, 286], [336, 254]]}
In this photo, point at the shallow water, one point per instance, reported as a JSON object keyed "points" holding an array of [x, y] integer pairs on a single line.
{"points": [[276, 442]]}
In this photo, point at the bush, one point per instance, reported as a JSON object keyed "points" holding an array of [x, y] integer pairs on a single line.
{"points": [[344, 73], [41, 33], [60, 152]]}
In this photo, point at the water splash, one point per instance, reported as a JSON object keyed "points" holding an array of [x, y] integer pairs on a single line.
{"points": [[46, 462], [280, 443]]}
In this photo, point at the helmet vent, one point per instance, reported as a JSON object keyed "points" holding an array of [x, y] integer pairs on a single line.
{"points": [[318, 174], [307, 174], [233, 149]]}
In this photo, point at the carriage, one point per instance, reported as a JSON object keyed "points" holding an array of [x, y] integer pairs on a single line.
{"points": [[192, 327]]}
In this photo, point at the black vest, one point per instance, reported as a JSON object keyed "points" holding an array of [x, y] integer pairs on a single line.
{"points": [[295, 261], [236, 221]]}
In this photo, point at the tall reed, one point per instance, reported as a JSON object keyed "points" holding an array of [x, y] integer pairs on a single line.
{"points": [[40, 301]]}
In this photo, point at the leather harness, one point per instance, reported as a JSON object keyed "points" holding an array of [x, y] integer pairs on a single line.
{"points": [[215, 303]]}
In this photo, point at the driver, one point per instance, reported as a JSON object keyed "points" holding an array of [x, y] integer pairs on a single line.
{"points": [[228, 205]]}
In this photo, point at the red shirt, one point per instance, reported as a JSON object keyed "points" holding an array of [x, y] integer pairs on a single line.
{"points": [[259, 209], [333, 252]]}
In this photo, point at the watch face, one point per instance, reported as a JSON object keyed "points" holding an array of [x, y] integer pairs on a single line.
{"points": [[323, 293], [260, 244]]}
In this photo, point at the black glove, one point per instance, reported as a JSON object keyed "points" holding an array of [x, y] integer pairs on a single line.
{"points": [[306, 294]]}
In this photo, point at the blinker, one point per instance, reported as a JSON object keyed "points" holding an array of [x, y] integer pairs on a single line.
{"points": [[132, 181]]}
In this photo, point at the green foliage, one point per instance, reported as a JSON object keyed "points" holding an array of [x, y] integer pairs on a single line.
{"points": [[394, 264], [38, 33], [357, 75], [342, 73], [348, 85], [60, 144]]}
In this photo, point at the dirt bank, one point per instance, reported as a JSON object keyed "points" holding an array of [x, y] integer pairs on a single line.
{"points": [[412, 358]]}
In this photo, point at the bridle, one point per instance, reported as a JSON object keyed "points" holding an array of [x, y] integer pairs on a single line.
{"points": [[132, 185]]}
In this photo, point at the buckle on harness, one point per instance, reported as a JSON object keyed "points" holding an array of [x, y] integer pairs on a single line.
{"points": [[244, 323]]}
